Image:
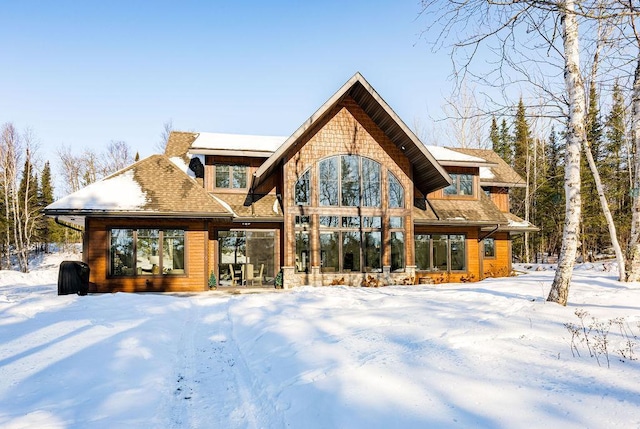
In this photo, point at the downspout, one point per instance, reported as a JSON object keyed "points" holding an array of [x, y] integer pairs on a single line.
{"points": [[490, 233]]}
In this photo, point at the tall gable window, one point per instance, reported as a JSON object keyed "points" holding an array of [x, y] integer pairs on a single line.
{"points": [[349, 181], [328, 178], [302, 191], [355, 237], [231, 176], [396, 192], [461, 184]]}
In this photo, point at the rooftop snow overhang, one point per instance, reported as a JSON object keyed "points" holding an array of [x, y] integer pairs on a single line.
{"points": [[429, 175], [235, 144]]}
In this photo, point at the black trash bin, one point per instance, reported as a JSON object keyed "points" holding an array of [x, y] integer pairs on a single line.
{"points": [[73, 277]]}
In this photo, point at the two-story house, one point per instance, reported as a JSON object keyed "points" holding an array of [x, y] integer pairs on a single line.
{"points": [[351, 197]]}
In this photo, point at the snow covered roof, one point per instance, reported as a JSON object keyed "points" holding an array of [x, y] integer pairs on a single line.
{"points": [[152, 186], [497, 174], [219, 143], [121, 192], [447, 156]]}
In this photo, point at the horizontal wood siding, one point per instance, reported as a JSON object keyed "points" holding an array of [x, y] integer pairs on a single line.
{"points": [[196, 260], [500, 266]]}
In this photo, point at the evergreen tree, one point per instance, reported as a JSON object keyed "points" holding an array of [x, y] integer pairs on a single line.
{"points": [[522, 153], [615, 169], [47, 228], [505, 140], [521, 141], [592, 219]]}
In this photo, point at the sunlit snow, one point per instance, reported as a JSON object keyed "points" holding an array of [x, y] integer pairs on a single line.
{"points": [[491, 354], [120, 192]]}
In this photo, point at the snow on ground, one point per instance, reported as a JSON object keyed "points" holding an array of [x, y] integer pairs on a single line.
{"points": [[491, 354]]}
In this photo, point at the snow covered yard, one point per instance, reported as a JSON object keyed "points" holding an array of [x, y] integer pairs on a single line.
{"points": [[491, 354]]}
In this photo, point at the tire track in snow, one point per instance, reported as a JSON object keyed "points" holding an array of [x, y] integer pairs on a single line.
{"points": [[180, 408], [254, 407]]}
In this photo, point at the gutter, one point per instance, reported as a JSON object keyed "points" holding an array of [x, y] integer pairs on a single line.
{"points": [[490, 233], [57, 220]]}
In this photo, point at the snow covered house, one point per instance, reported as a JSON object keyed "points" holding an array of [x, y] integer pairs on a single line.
{"points": [[351, 196]]}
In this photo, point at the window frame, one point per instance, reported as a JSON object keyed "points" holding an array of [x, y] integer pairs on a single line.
{"points": [[137, 271], [231, 175], [493, 248], [457, 182], [431, 247]]}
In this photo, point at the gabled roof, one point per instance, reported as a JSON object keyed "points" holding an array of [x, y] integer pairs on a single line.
{"points": [[428, 174], [499, 174], [153, 186]]}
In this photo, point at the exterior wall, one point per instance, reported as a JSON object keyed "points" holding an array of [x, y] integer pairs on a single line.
{"points": [[500, 197], [473, 249], [347, 129], [500, 266], [97, 256]]}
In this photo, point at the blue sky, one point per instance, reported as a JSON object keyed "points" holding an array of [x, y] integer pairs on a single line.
{"points": [[83, 73]]}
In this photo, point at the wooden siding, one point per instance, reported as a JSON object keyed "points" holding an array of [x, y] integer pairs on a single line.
{"points": [[97, 256], [500, 197], [346, 130]]}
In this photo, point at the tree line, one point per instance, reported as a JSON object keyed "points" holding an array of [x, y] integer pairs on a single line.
{"points": [[539, 160], [560, 52], [26, 188]]}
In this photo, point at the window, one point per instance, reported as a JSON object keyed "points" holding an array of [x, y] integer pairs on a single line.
{"points": [[441, 252], [302, 252], [349, 181], [489, 245], [372, 251], [370, 183], [351, 243], [396, 192], [461, 184], [302, 190], [329, 252], [328, 172], [231, 176], [397, 251], [247, 256], [423, 251], [156, 251]]}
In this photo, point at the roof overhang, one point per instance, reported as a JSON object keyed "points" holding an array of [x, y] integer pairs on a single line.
{"points": [[503, 184], [429, 175]]}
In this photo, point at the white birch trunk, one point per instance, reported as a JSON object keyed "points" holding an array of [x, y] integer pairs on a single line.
{"points": [[575, 136], [633, 268]]}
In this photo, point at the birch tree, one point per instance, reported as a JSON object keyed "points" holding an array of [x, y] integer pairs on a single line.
{"points": [[633, 269]]}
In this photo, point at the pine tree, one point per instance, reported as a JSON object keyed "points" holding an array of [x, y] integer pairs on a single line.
{"points": [[521, 141], [505, 139], [522, 153], [46, 226], [592, 221]]}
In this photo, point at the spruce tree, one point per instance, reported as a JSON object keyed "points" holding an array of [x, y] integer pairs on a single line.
{"points": [[505, 150], [592, 222], [46, 226], [615, 166]]}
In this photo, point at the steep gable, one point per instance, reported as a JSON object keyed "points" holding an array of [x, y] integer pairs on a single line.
{"points": [[428, 175]]}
